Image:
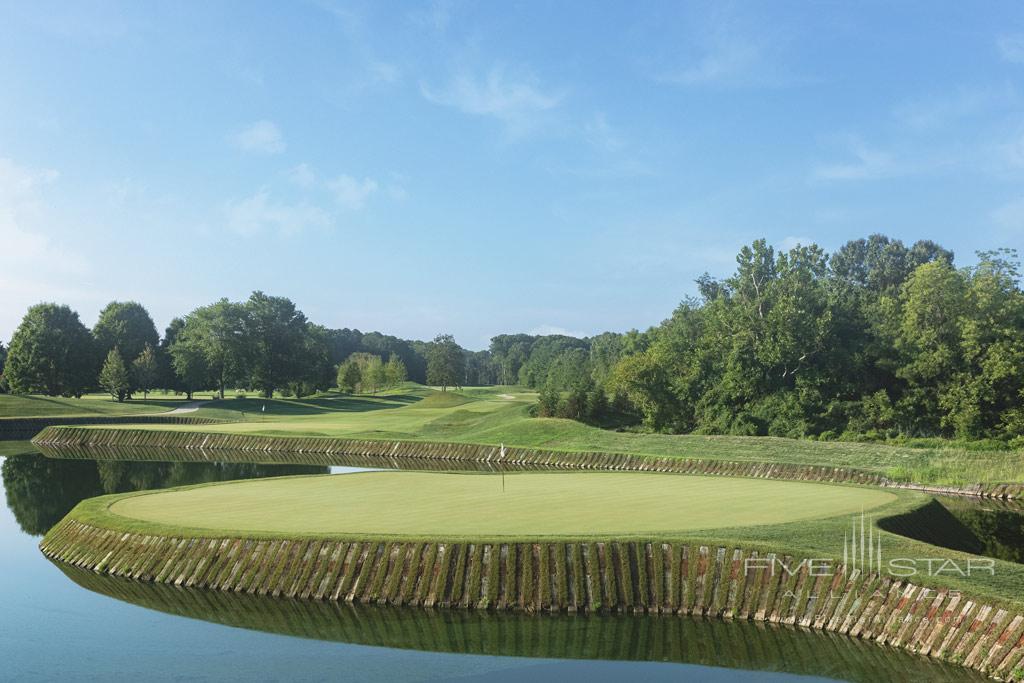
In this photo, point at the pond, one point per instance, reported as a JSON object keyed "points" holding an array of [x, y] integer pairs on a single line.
{"points": [[58, 622]]}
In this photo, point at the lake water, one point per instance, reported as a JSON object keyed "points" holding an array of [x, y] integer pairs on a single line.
{"points": [[61, 623]]}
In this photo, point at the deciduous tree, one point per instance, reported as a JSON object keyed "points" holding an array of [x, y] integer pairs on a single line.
{"points": [[51, 353], [445, 362], [127, 326]]}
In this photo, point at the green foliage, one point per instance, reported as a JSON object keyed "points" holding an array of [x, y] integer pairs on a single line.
{"points": [[445, 362], [3, 361], [127, 326], [146, 370], [274, 331], [394, 372], [114, 376], [481, 370], [190, 367], [547, 402], [215, 333], [374, 375], [584, 402], [548, 355], [878, 341], [349, 376], [51, 353]]}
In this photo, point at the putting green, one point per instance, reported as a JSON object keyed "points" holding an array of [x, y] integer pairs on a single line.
{"points": [[531, 504]]}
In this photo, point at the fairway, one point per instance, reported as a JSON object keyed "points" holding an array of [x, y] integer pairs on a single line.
{"points": [[531, 504]]}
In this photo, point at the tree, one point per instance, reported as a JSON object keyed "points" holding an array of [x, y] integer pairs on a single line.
{"points": [[316, 372], [51, 353], [386, 346], [168, 378], [929, 338], [509, 352], [216, 331], [125, 325], [547, 402], [394, 371], [146, 370], [114, 375], [445, 362], [374, 375], [349, 376], [362, 362], [544, 352], [481, 369], [189, 367], [274, 331], [3, 361]]}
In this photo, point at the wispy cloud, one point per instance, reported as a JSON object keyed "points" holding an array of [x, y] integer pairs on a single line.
{"points": [[867, 164], [1010, 216], [954, 105], [260, 214], [262, 137], [601, 134], [352, 193], [1011, 153], [34, 264], [302, 175], [726, 47], [1011, 47], [727, 62], [435, 15], [384, 72], [793, 241], [316, 202], [544, 330], [517, 99]]}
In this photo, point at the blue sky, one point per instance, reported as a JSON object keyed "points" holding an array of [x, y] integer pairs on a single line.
{"points": [[488, 167]]}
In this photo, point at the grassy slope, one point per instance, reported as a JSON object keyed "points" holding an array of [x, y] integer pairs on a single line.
{"points": [[485, 416], [534, 504], [92, 404]]}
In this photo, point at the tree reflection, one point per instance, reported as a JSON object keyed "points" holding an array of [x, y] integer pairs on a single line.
{"points": [[40, 490]]}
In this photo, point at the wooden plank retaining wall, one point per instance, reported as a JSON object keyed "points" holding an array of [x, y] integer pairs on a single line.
{"points": [[21, 428], [661, 578], [393, 453]]}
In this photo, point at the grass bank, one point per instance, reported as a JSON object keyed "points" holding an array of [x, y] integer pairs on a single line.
{"points": [[19, 405], [499, 415]]}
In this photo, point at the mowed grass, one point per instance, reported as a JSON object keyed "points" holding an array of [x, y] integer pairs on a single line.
{"points": [[499, 415], [12, 405], [481, 505]]}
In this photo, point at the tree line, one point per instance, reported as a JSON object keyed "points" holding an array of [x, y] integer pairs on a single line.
{"points": [[877, 340], [264, 344]]}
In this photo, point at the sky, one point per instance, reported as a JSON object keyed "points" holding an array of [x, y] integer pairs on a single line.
{"points": [[487, 167]]}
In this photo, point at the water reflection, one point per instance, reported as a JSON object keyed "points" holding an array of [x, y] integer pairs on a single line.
{"points": [[997, 525], [737, 645], [993, 528], [41, 490]]}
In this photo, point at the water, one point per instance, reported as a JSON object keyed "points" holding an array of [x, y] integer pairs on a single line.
{"points": [[61, 623]]}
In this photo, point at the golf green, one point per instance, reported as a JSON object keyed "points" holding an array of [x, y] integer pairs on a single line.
{"points": [[516, 505]]}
